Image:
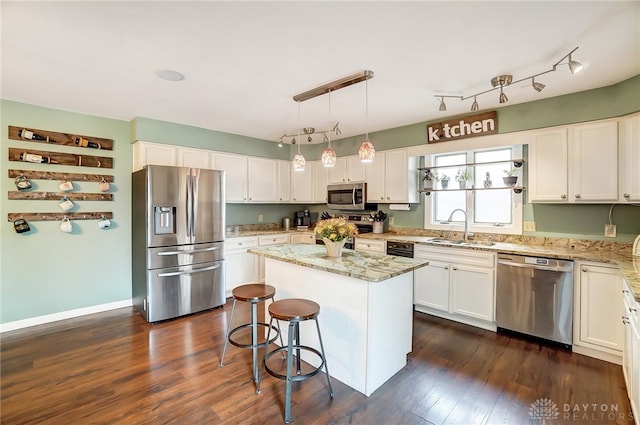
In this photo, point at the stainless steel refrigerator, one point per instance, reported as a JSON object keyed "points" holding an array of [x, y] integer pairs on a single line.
{"points": [[178, 228]]}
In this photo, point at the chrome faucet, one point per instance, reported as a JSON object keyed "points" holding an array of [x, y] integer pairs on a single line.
{"points": [[466, 222]]}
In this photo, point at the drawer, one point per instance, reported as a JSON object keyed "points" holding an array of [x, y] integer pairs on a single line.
{"points": [[243, 242], [371, 245], [456, 255], [277, 239], [306, 237]]}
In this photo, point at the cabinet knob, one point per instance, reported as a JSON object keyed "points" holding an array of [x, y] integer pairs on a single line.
{"points": [[577, 195], [584, 269], [388, 198], [631, 309], [626, 195], [625, 320], [446, 267], [563, 196], [454, 268]]}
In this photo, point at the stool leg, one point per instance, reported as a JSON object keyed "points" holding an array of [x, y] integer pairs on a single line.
{"points": [[287, 402], [279, 333], [254, 339], [297, 336], [324, 357], [264, 356], [226, 338]]}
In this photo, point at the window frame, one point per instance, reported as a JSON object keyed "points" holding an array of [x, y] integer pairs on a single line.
{"points": [[514, 228]]}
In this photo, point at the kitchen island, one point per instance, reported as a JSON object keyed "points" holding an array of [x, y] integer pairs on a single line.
{"points": [[366, 307]]}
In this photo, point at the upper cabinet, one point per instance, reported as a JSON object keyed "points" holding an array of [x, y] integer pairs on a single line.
{"points": [[262, 179], [235, 167], [578, 164], [284, 181], [347, 169], [195, 158], [145, 153], [320, 181], [392, 178], [630, 159], [302, 185]]}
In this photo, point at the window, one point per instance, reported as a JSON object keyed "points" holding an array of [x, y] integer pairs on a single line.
{"points": [[493, 209]]}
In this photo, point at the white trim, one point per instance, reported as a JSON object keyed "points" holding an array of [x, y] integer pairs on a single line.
{"points": [[54, 317]]}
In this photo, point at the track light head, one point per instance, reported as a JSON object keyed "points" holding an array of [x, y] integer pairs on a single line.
{"points": [[443, 106], [503, 97], [574, 66], [537, 86], [474, 105]]}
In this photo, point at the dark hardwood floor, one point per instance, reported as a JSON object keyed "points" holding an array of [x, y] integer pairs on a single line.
{"points": [[114, 368]]}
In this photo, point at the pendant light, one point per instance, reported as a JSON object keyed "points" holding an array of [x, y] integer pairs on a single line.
{"points": [[298, 159], [367, 151], [329, 155]]}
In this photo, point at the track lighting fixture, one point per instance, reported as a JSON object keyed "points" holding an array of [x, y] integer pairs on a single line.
{"points": [[501, 81]]}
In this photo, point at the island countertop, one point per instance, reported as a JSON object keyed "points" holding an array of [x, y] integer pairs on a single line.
{"points": [[360, 265]]}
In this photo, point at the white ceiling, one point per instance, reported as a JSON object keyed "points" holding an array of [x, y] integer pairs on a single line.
{"points": [[244, 61]]}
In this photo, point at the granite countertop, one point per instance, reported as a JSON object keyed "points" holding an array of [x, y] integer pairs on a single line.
{"points": [[360, 265], [260, 232]]}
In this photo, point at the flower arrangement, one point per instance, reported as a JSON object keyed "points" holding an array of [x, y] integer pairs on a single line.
{"points": [[335, 229]]}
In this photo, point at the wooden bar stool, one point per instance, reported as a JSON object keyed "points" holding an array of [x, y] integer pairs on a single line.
{"points": [[253, 293], [294, 311]]}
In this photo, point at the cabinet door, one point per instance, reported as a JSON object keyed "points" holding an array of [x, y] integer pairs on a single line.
{"points": [[600, 306], [338, 173], [145, 153], [548, 171], [472, 292], [320, 181], [375, 173], [356, 169], [630, 159], [235, 167], [302, 185], [400, 178], [262, 180], [431, 286], [195, 158], [593, 152], [284, 181], [241, 268]]}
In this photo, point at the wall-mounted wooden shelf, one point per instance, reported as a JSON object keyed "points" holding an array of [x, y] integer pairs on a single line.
{"points": [[51, 175], [50, 196], [59, 158], [57, 216], [60, 139]]}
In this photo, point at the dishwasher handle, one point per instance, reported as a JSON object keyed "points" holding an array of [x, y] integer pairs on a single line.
{"points": [[535, 266]]}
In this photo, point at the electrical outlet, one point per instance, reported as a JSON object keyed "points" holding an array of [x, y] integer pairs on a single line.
{"points": [[260, 218], [391, 221], [610, 230], [529, 226]]}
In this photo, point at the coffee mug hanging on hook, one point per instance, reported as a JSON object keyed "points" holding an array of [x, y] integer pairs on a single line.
{"points": [[66, 185], [21, 226], [65, 204], [104, 185], [22, 182]]}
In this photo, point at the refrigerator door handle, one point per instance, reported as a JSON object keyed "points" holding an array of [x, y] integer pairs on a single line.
{"points": [[194, 203], [190, 252], [184, 273]]}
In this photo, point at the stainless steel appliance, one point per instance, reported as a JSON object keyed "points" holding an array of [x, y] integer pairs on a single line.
{"points": [[534, 296], [178, 225], [363, 222], [400, 249], [348, 196]]}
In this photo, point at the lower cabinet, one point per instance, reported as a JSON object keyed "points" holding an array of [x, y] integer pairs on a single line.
{"points": [[631, 357], [597, 328], [267, 240], [371, 245], [241, 267], [304, 237], [458, 284]]}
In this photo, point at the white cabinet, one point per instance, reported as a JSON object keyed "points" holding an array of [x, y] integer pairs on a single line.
{"points": [[597, 325], [302, 185], [195, 158], [235, 167], [371, 245], [262, 180], [392, 178], [303, 237], [593, 154], [269, 240], [348, 169], [575, 164], [320, 182], [145, 153], [631, 357], [284, 181], [241, 267], [630, 159], [458, 284]]}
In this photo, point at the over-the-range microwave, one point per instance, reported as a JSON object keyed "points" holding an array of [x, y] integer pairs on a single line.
{"points": [[348, 196]]}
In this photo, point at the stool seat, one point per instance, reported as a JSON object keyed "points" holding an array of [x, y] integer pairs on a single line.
{"points": [[294, 309], [253, 292]]}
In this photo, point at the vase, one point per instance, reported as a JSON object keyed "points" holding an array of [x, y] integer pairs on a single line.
{"points": [[334, 249]]}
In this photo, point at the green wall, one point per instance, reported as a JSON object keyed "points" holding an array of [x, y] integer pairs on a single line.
{"points": [[46, 271]]}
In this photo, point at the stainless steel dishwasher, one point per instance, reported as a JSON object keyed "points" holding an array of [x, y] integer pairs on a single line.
{"points": [[534, 296]]}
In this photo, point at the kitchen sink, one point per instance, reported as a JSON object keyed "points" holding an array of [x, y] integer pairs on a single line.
{"points": [[461, 242]]}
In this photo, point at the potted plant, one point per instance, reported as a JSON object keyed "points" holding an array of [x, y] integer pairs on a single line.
{"points": [[444, 181], [463, 176], [510, 178], [428, 179], [487, 180], [335, 232]]}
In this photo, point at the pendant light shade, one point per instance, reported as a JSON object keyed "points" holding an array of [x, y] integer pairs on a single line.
{"points": [[329, 157], [367, 151], [298, 159]]}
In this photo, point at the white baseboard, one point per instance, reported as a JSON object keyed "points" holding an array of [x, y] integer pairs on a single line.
{"points": [[54, 317]]}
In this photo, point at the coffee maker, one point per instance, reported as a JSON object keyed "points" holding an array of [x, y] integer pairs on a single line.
{"points": [[303, 219]]}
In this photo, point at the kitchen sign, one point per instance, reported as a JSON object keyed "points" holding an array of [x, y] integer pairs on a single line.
{"points": [[461, 128]]}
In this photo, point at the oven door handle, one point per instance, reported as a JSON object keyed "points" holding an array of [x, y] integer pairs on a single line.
{"points": [[182, 273], [535, 266], [191, 252]]}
